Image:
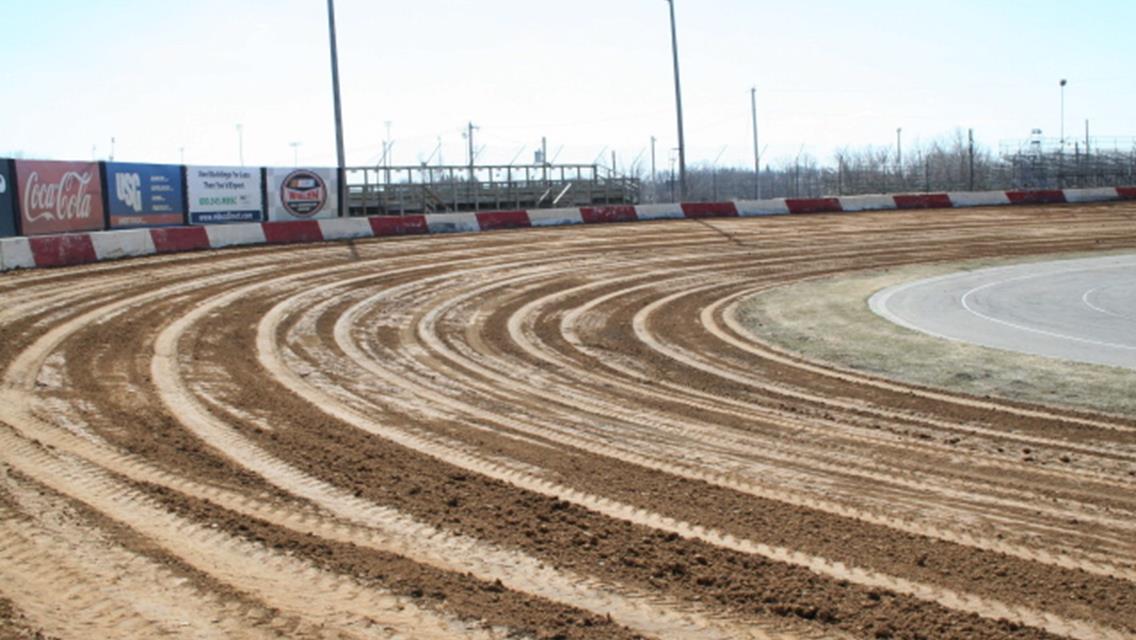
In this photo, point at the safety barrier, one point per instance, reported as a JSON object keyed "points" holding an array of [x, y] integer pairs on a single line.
{"points": [[82, 248]]}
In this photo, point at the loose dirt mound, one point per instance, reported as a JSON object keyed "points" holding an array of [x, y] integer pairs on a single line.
{"points": [[555, 433]]}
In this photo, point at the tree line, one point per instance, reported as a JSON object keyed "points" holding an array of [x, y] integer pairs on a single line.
{"points": [[951, 163]]}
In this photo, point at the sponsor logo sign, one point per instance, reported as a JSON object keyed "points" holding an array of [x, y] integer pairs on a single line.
{"points": [[224, 194], [302, 194], [7, 204], [58, 197], [144, 195]]}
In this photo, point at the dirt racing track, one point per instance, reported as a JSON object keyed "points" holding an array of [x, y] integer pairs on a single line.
{"points": [[546, 433]]}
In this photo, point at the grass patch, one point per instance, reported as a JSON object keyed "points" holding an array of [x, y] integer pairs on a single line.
{"points": [[828, 320]]}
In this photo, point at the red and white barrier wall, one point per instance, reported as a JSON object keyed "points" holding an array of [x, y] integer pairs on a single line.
{"points": [[81, 248]]}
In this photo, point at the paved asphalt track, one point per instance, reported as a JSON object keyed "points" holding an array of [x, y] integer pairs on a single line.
{"points": [[1082, 310]]}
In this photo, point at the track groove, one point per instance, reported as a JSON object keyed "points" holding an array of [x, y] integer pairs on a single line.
{"points": [[568, 428]]}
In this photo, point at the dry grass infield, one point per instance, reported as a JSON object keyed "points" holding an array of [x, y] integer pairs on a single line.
{"points": [[828, 319]]}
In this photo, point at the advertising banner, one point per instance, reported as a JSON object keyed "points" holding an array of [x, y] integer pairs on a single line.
{"points": [[59, 197], [144, 195], [302, 194], [7, 201], [224, 194]]}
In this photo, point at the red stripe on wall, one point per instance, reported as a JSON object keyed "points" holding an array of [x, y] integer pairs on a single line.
{"points": [[813, 205], [399, 225], [177, 239], [617, 213], [1045, 196], [60, 251], [292, 231], [491, 220], [1126, 193], [709, 210], [923, 201]]}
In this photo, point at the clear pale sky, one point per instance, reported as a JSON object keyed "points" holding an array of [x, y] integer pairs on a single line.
{"points": [[159, 76]]}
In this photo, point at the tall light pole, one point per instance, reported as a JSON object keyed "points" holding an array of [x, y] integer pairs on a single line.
{"points": [[1063, 83], [295, 153], [756, 152], [341, 155], [678, 106]]}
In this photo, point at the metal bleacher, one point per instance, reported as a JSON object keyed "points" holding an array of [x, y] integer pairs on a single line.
{"points": [[440, 189]]}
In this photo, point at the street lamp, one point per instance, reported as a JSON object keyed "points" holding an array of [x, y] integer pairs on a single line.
{"points": [[678, 106], [295, 153], [339, 152]]}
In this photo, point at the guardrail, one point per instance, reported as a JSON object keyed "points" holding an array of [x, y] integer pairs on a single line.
{"points": [[81, 248]]}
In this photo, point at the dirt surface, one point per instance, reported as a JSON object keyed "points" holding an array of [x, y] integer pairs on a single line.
{"points": [[561, 433]]}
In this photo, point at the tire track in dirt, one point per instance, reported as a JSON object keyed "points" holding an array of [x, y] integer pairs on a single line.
{"points": [[324, 599], [45, 550], [472, 344], [515, 571], [517, 382], [462, 459]]}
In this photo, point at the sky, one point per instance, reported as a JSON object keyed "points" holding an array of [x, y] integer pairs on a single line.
{"points": [[171, 81]]}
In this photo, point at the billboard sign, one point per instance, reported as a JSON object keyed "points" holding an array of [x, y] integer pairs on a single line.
{"points": [[302, 194], [59, 197], [144, 195], [224, 194], [7, 199]]}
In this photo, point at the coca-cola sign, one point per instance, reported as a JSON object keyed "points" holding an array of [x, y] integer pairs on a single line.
{"points": [[58, 197]]}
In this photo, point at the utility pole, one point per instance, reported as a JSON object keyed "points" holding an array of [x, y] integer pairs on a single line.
{"points": [[472, 154], [613, 163], [678, 106], [387, 150], [469, 138], [653, 141], [714, 176], [672, 175], [970, 137], [756, 152], [899, 155], [340, 153]]}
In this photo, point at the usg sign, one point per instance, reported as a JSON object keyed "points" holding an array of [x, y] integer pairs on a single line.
{"points": [[144, 195], [128, 188], [303, 193]]}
